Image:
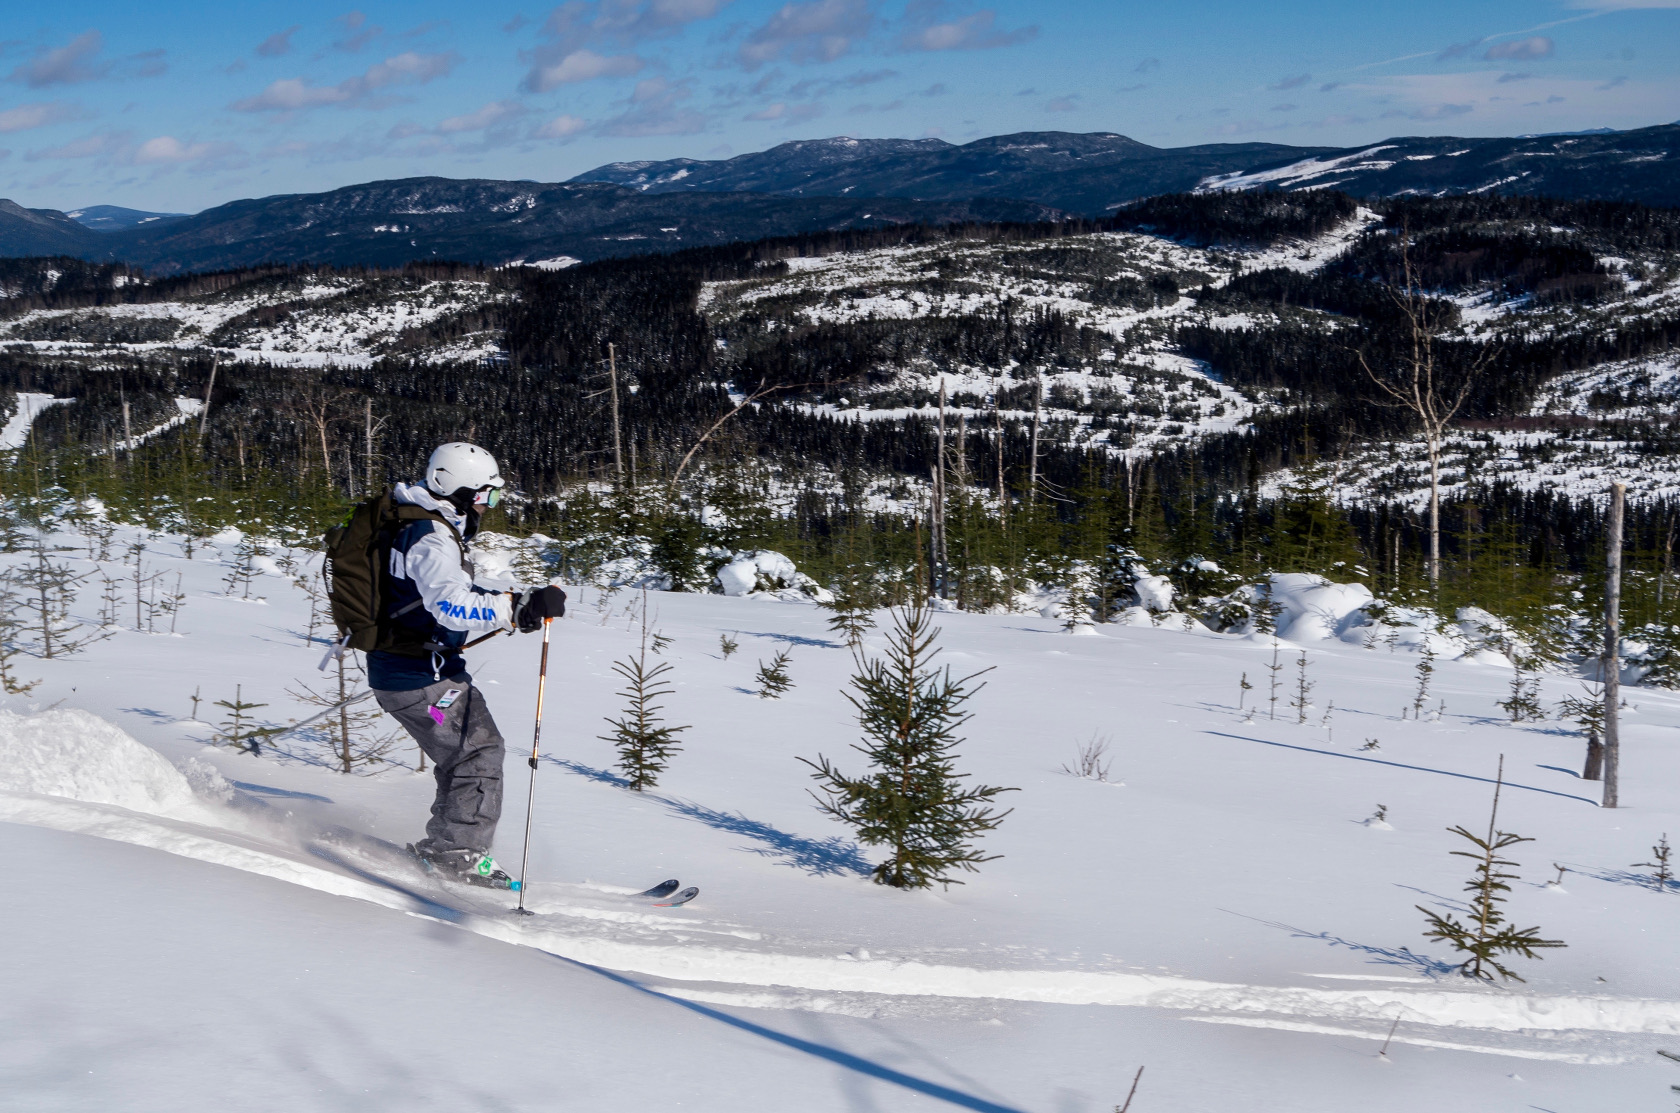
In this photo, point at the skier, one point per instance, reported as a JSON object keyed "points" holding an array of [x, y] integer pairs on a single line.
{"points": [[431, 606]]}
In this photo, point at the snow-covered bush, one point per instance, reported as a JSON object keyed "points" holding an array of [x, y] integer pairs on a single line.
{"points": [[762, 570]]}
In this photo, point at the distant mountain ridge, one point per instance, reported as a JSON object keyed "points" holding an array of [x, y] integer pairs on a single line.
{"points": [[390, 223], [1093, 174], [814, 185], [115, 218]]}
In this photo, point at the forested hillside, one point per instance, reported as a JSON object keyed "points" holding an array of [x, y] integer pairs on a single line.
{"points": [[1193, 380]]}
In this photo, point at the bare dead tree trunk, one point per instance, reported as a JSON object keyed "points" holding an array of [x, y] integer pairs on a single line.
{"points": [[997, 428], [1434, 513], [618, 441], [204, 417], [1415, 386], [1032, 479], [1613, 646]]}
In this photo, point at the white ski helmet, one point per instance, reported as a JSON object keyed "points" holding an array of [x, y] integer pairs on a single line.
{"points": [[458, 464]]}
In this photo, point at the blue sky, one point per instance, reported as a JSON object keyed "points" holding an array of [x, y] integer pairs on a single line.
{"points": [[185, 106]]}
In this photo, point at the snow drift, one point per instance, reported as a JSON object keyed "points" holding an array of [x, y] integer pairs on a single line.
{"points": [[80, 756]]}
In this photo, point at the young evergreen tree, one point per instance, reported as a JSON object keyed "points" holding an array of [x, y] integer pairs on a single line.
{"points": [[773, 678], [645, 745], [1303, 689], [912, 801], [1276, 669], [1425, 670], [12, 626], [49, 589], [727, 645], [1075, 607], [1661, 865], [851, 612], [1523, 704], [236, 729], [1486, 936]]}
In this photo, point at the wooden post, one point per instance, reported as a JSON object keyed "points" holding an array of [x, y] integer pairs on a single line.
{"points": [[1613, 645], [618, 442]]}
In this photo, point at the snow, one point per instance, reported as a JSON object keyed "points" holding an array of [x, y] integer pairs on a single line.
{"points": [[78, 755], [1297, 174], [15, 433], [1314, 609], [218, 929]]}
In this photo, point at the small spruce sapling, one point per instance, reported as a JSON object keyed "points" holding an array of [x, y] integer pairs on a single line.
{"points": [[849, 614], [12, 624], [645, 745], [1523, 705], [727, 645], [1661, 867], [1588, 715], [1486, 936], [1303, 689], [236, 729], [912, 800], [773, 678], [1425, 670], [50, 589], [196, 699], [1276, 667], [1243, 688]]}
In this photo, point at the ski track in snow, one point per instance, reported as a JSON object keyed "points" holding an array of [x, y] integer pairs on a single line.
{"points": [[774, 973]]}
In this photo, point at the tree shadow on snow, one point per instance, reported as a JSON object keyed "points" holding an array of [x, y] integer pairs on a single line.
{"points": [[795, 639], [835, 1055], [1379, 956], [1625, 877], [1399, 765], [830, 857]]}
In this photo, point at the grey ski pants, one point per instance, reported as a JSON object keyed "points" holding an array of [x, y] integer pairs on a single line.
{"points": [[467, 751]]}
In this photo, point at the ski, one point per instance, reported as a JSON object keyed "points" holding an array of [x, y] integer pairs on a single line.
{"points": [[663, 889], [679, 899]]}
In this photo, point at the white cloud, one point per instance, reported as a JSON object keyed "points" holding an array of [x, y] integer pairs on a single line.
{"points": [[294, 94], [656, 109], [278, 43], [168, 149], [496, 112], [973, 32], [1622, 5], [89, 146], [65, 65], [26, 116], [581, 65], [817, 31], [561, 127], [1521, 50]]}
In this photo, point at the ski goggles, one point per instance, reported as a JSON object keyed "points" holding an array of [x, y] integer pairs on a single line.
{"points": [[488, 497]]}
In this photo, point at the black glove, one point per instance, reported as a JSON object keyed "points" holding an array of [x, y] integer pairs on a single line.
{"points": [[535, 604]]}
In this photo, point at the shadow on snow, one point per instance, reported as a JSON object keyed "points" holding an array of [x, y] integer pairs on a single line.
{"points": [[833, 856]]}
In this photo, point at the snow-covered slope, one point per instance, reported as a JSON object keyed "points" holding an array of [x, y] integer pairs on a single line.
{"points": [[1220, 911]]}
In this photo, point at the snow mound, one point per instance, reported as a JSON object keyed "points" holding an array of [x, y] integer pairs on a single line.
{"points": [[78, 755], [1314, 609], [764, 570]]}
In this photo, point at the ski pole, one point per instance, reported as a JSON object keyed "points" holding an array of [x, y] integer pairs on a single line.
{"points": [[531, 796]]}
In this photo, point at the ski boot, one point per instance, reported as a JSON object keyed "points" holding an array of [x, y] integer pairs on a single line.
{"points": [[468, 866]]}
